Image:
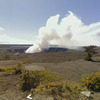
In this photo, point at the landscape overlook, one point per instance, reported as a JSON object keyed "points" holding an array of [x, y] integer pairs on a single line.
{"points": [[49, 50]]}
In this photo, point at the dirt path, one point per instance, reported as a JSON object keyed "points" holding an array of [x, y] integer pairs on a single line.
{"points": [[71, 70], [33, 67]]}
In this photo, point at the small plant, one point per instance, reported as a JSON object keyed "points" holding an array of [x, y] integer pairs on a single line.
{"points": [[12, 70], [7, 57], [27, 62], [1, 69], [17, 70], [7, 69], [19, 64], [91, 81]]}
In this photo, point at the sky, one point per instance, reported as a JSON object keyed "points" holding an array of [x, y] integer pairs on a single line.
{"points": [[21, 20]]}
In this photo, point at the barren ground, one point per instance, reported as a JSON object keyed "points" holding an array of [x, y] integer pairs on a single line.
{"points": [[69, 65]]}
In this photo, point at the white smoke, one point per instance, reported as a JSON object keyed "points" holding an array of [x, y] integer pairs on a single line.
{"points": [[71, 31]]}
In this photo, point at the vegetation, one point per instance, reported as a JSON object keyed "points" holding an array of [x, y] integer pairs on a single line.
{"points": [[70, 65], [26, 62], [90, 50], [46, 82], [13, 70], [92, 81], [61, 90], [31, 79], [7, 56]]}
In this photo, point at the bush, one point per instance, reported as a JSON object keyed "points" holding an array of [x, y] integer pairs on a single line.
{"points": [[46, 82], [7, 57], [27, 62], [59, 89], [12, 70], [1, 69], [17, 70], [31, 79], [92, 81], [19, 64]]}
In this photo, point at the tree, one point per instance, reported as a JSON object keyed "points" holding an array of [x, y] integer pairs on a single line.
{"points": [[90, 50]]}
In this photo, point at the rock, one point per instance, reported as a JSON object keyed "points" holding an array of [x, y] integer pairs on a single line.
{"points": [[86, 93]]}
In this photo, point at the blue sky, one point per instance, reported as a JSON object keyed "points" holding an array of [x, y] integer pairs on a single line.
{"points": [[21, 19]]}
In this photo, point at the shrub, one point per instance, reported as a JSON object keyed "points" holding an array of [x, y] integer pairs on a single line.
{"points": [[12, 70], [31, 79], [7, 57], [7, 69], [27, 62], [1, 69], [19, 64], [63, 90], [46, 82], [91, 81], [17, 70]]}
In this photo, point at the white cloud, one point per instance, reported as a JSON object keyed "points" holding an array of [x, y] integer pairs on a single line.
{"points": [[1, 29], [6, 39], [70, 32]]}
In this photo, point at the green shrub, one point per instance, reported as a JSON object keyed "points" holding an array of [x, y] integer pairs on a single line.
{"points": [[17, 70], [31, 79], [7, 57], [63, 90], [27, 62], [46, 82], [19, 64], [91, 81], [7, 69], [1, 69], [12, 70]]}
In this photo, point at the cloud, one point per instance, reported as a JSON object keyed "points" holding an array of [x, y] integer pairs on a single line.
{"points": [[6, 39], [71, 31], [2, 29]]}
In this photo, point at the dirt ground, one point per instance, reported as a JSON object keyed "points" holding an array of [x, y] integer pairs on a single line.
{"points": [[70, 66], [70, 70]]}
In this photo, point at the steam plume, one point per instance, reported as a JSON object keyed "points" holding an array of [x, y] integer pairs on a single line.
{"points": [[71, 31]]}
